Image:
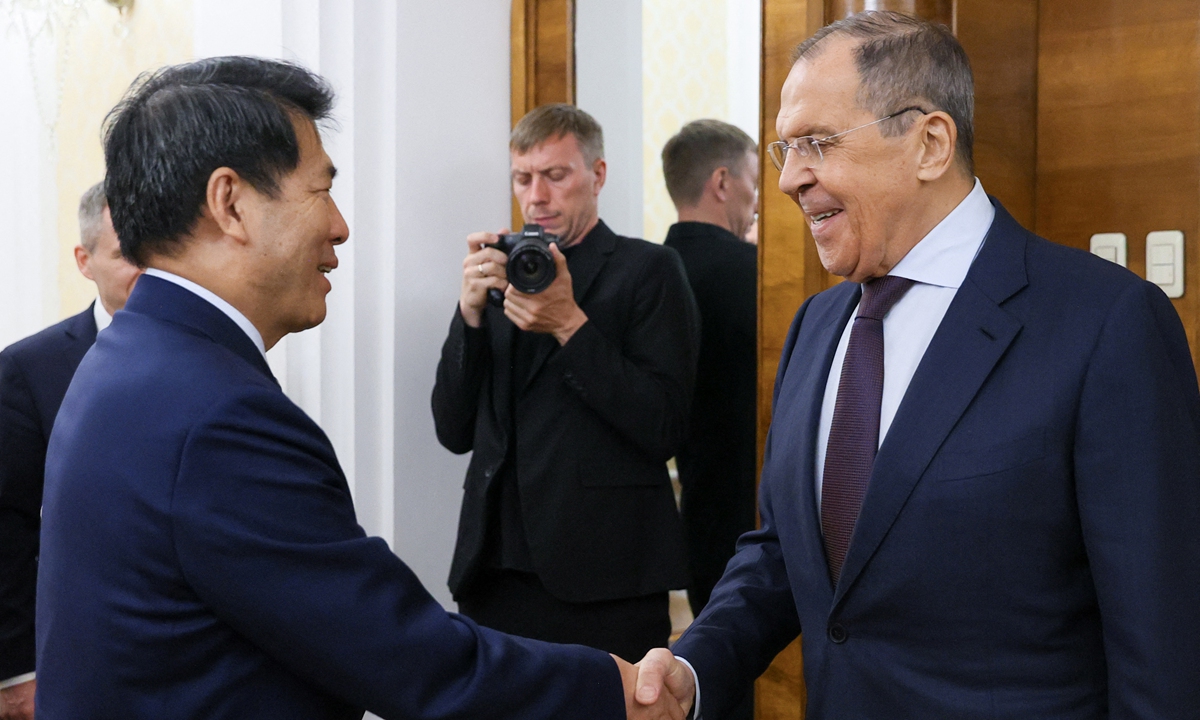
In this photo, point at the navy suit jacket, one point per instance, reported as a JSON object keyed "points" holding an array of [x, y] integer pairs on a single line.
{"points": [[201, 557], [34, 375], [1028, 546]]}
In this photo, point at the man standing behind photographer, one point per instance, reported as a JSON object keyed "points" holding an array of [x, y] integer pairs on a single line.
{"points": [[572, 400]]}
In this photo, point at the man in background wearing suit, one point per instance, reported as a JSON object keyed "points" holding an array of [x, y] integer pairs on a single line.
{"points": [[200, 553], [572, 401], [980, 496], [34, 374], [711, 171]]}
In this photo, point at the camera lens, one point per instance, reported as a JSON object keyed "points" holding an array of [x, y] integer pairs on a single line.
{"points": [[530, 268]]}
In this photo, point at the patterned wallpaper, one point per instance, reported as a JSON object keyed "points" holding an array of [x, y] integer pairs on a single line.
{"points": [[99, 56], [686, 75]]}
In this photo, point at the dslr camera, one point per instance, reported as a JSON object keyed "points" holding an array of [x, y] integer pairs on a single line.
{"points": [[530, 266]]}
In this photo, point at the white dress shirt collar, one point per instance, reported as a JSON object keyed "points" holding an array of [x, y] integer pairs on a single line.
{"points": [[103, 319], [241, 320], [944, 256]]}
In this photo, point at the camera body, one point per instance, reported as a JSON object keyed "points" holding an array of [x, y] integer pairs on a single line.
{"points": [[530, 266]]}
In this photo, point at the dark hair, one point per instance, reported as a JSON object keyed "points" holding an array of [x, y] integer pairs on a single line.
{"points": [[700, 147], [903, 61], [554, 121], [91, 214], [176, 125]]}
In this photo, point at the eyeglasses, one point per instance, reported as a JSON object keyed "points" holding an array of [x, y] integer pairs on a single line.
{"points": [[808, 148]]}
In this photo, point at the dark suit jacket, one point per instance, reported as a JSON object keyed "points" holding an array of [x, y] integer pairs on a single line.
{"points": [[595, 425], [1028, 544], [717, 461], [201, 558], [34, 375]]}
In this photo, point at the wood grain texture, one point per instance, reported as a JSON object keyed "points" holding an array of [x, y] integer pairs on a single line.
{"points": [[542, 59], [1118, 128], [1001, 40], [788, 271], [941, 11]]}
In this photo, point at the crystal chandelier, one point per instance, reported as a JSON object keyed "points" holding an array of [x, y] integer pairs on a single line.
{"points": [[43, 28]]}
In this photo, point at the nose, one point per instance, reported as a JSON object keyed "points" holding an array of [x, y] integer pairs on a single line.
{"points": [[538, 190], [339, 231], [796, 178]]}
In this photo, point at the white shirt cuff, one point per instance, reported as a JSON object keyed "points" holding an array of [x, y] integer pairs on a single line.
{"points": [[696, 682], [13, 681]]}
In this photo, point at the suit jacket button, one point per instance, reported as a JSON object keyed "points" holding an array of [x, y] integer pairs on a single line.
{"points": [[837, 633]]}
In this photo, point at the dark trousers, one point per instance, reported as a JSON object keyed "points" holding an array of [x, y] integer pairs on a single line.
{"points": [[517, 603]]}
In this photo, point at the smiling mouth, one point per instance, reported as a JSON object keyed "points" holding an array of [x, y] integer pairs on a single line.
{"points": [[325, 268], [822, 217]]}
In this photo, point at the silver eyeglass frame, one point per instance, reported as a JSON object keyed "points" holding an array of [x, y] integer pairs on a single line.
{"points": [[778, 150]]}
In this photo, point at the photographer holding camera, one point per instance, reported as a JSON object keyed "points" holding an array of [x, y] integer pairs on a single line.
{"points": [[571, 398]]}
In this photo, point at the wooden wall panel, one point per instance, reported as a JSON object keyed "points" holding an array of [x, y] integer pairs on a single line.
{"points": [[789, 270], [542, 59], [1001, 40], [542, 53], [1119, 128], [936, 10]]}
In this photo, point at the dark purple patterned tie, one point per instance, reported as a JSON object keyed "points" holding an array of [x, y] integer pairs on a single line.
{"points": [[854, 433]]}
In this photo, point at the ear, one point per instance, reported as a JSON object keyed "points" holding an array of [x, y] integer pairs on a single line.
{"points": [[600, 168], [718, 183], [226, 199], [939, 139], [83, 261]]}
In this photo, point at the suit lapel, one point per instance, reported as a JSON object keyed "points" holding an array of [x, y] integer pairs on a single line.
{"points": [[82, 328], [973, 336], [587, 259], [812, 361]]}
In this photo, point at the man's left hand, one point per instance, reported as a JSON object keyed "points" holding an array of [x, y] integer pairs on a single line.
{"points": [[16, 702], [552, 311]]}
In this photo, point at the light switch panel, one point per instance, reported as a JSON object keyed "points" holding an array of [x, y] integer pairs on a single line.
{"points": [[1110, 246], [1164, 261]]}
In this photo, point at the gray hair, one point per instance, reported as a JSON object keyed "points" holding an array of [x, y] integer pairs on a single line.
{"points": [[902, 61], [557, 120], [700, 147], [91, 215]]}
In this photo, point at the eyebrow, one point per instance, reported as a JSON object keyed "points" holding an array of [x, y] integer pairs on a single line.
{"points": [[332, 171], [816, 131], [542, 171]]}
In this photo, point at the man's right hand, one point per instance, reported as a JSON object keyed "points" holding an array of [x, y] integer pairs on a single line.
{"points": [[16, 702], [663, 707], [483, 269], [660, 670]]}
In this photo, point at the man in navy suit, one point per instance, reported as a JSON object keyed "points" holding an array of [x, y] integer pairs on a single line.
{"points": [[34, 374], [200, 553], [1011, 532]]}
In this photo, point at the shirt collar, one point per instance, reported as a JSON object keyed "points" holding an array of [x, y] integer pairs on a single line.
{"points": [[103, 319], [238, 318], [944, 256]]}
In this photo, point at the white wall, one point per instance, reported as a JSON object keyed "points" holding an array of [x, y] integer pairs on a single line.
{"points": [[28, 196], [452, 178], [421, 149], [743, 42], [608, 85]]}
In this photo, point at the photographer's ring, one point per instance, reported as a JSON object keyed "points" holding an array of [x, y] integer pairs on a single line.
{"points": [[481, 272]]}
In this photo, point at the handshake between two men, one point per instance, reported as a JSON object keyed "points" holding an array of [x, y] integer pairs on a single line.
{"points": [[214, 566]]}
